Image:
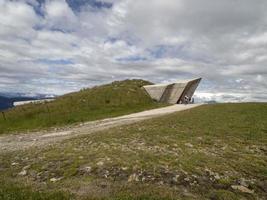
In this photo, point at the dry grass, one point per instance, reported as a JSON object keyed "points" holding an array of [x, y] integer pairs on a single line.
{"points": [[195, 154]]}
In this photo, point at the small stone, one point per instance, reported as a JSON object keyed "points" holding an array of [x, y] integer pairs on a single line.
{"points": [[187, 179], [189, 145], [108, 159], [175, 179], [14, 163], [185, 172], [133, 177], [161, 183], [194, 176], [209, 172], [224, 147], [53, 180], [243, 182], [217, 176], [80, 157], [124, 168], [23, 173], [100, 163], [242, 189], [87, 169], [26, 167]]}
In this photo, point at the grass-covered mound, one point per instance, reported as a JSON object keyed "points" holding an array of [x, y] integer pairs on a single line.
{"points": [[117, 98], [209, 152]]}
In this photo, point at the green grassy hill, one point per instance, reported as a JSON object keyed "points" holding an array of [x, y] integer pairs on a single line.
{"points": [[216, 152], [117, 98]]}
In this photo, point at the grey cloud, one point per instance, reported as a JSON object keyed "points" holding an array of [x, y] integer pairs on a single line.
{"points": [[222, 41]]}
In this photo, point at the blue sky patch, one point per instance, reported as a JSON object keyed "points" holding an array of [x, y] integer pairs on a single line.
{"points": [[38, 7], [77, 5], [55, 61], [135, 58]]}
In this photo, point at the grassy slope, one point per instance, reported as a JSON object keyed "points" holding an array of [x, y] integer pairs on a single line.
{"points": [[117, 98], [194, 154]]}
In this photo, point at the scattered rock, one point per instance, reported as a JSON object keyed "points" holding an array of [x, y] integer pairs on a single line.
{"points": [[243, 182], [106, 173], [88, 169], [161, 183], [194, 176], [133, 177], [23, 173], [26, 167], [199, 138], [175, 179], [108, 159], [242, 189], [184, 172], [53, 180], [217, 176], [124, 168], [189, 145], [100, 163], [224, 147], [14, 164], [187, 179]]}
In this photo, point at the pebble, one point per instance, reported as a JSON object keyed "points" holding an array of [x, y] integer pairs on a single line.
{"points": [[124, 168], [100, 163], [242, 189], [175, 179], [53, 180], [243, 182], [26, 167], [88, 169], [189, 145], [23, 173], [133, 177], [217, 176], [14, 163]]}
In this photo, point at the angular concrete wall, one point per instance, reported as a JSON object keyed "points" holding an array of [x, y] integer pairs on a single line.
{"points": [[173, 93], [155, 91]]}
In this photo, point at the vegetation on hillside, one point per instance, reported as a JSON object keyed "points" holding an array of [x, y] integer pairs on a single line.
{"points": [[117, 98], [210, 152]]}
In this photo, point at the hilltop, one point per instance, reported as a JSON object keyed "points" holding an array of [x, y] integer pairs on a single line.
{"points": [[114, 99]]}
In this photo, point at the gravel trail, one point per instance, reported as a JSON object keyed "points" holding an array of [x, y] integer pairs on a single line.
{"points": [[26, 140]]}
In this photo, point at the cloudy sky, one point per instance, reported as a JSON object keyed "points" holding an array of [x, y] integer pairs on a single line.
{"points": [[58, 46]]}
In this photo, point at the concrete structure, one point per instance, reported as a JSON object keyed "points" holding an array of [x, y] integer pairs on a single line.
{"points": [[173, 93], [19, 103]]}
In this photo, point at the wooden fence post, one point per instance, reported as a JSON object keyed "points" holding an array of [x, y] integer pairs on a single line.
{"points": [[49, 116], [4, 116]]}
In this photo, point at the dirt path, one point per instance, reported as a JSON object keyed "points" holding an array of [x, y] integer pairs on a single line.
{"points": [[24, 141]]}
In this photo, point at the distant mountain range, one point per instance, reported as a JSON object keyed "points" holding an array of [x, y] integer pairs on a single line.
{"points": [[7, 99]]}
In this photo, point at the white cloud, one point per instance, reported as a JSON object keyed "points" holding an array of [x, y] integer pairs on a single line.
{"points": [[64, 49]]}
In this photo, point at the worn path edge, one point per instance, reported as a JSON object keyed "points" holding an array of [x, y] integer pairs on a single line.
{"points": [[23, 141]]}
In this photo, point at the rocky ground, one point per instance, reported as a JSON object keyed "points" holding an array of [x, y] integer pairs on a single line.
{"points": [[195, 154]]}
